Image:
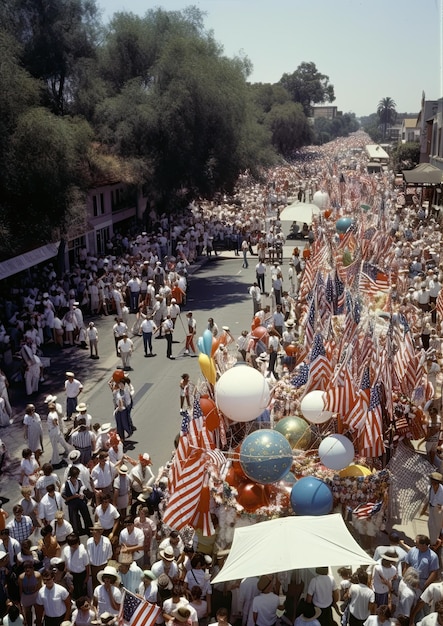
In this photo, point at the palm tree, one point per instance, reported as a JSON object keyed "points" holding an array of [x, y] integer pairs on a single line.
{"points": [[386, 113]]}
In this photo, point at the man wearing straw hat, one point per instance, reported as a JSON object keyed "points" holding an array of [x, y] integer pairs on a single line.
{"points": [[434, 505]]}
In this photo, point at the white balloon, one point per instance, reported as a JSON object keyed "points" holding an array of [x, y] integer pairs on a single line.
{"points": [[336, 452], [242, 393], [320, 199], [312, 407]]}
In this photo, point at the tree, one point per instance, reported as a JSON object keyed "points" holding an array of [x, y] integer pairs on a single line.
{"points": [[45, 175], [387, 113], [406, 155], [340, 126], [55, 35], [289, 127], [308, 86]]}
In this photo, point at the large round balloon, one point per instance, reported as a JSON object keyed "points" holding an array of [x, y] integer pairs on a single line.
{"points": [[320, 199], [355, 470], [336, 452], [311, 496], [212, 419], [342, 225], [312, 406], [242, 393], [252, 496], [296, 430], [261, 332], [265, 456]]}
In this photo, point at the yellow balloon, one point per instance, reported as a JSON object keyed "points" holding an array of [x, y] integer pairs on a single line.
{"points": [[355, 470], [207, 367]]}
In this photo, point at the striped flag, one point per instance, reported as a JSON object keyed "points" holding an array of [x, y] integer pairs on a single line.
{"points": [[187, 473], [135, 611], [367, 510], [372, 287], [355, 419], [439, 304], [320, 369], [372, 437]]}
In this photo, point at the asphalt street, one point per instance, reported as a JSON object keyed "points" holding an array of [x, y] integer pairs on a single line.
{"points": [[218, 288]]}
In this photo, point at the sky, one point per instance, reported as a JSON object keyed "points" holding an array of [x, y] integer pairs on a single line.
{"points": [[370, 49]]}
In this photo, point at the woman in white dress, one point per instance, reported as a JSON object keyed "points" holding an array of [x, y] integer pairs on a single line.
{"points": [[33, 430]]}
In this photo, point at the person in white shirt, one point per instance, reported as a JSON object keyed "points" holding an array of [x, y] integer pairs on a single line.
{"points": [[323, 592], [77, 562], [61, 528], [49, 505], [73, 388], [107, 595], [99, 550], [108, 516], [55, 434], [132, 540], [53, 601], [264, 606]]}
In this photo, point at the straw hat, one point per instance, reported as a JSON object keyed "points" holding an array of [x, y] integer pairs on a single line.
{"points": [[109, 571]]}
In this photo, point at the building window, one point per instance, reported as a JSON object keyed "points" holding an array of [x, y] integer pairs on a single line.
{"points": [[102, 236], [94, 205], [102, 204]]}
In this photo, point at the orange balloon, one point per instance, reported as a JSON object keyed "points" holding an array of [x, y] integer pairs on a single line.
{"points": [[328, 213], [215, 344], [291, 350], [341, 236], [252, 496], [210, 411], [233, 478], [118, 375], [261, 332], [306, 253]]}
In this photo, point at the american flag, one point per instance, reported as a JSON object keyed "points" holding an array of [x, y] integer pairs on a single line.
{"points": [[135, 611], [364, 511], [301, 376], [372, 287], [439, 304], [372, 437], [320, 369], [187, 472], [356, 417], [310, 325]]}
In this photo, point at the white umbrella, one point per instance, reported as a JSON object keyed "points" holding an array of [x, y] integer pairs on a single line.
{"points": [[287, 543], [299, 212]]}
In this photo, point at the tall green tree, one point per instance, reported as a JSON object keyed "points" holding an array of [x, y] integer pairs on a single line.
{"points": [[54, 35], [289, 127], [308, 86], [45, 176], [387, 113]]}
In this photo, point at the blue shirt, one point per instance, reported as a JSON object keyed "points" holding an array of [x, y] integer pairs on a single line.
{"points": [[424, 562]]}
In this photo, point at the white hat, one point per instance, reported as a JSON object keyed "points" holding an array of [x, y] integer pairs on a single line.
{"points": [[49, 399], [109, 571], [81, 407], [74, 455], [167, 554], [173, 300], [70, 374], [105, 428]]}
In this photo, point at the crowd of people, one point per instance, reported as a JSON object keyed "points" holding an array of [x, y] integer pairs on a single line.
{"points": [[73, 546]]}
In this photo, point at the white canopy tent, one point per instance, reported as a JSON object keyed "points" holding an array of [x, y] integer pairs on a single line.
{"points": [[291, 543], [299, 212]]}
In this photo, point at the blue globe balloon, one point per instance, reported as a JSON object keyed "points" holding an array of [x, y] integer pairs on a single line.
{"points": [[342, 225], [311, 496], [265, 456]]}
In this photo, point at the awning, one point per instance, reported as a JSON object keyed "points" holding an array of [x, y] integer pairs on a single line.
{"points": [[423, 174], [28, 259], [290, 543]]}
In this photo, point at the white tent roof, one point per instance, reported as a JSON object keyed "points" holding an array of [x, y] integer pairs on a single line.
{"points": [[291, 543], [299, 212]]}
